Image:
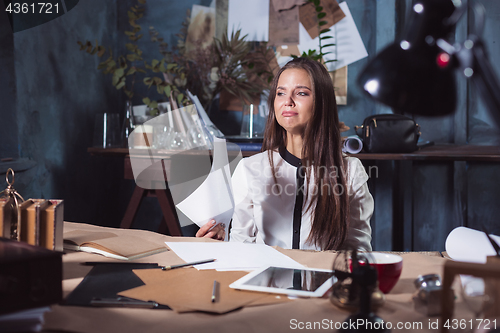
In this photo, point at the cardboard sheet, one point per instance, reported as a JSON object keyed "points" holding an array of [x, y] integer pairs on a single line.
{"points": [[339, 79], [283, 26], [348, 47], [280, 5], [308, 16], [188, 289]]}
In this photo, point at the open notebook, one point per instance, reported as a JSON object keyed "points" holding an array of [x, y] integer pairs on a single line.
{"points": [[110, 245]]}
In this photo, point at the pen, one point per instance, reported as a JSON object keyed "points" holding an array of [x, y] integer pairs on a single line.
{"points": [[166, 268], [494, 244], [214, 291], [94, 263], [124, 303], [492, 241]]}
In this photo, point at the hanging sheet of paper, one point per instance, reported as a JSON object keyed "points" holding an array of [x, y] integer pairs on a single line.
{"points": [[252, 17], [286, 4], [213, 199], [308, 16], [348, 47], [221, 18], [201, 30], [283, 26]]}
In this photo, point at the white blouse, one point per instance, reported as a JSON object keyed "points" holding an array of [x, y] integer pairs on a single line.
{"points": [[264, 212]]}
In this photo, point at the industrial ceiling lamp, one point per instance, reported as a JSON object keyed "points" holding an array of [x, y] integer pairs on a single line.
{"points": [[416, 74]]}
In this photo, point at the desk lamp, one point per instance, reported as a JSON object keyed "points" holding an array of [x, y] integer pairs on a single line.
{"points": [[416, 73]]}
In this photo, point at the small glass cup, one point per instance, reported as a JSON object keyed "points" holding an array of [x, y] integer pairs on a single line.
{"points": [[107, 130], [253, 121]]}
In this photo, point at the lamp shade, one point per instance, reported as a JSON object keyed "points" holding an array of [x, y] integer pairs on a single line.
{"points": [[413, 75]]}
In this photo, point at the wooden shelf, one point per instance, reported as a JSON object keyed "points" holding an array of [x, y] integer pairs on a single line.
{"points": [[442, 152]]}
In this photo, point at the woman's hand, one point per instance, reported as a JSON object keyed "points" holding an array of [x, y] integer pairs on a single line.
{"points": [[209, 231]]}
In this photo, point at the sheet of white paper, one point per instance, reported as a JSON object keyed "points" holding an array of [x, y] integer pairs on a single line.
{"points": [[465, 244], [199, 107], [252, 17], [349, 46], [232, 255], [214, 197], [206, 119]]}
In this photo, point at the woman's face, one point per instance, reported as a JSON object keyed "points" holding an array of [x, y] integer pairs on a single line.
{"points": [[294, 100]]}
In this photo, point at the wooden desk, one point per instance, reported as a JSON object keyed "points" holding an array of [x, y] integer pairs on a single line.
{"points": [[269, 318]]}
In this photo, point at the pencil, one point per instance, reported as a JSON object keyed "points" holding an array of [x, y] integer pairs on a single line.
{"points": [[214, 292], [166, 268]]}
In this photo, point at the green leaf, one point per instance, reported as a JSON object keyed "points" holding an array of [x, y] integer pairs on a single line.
{"points": [[155, 62], [157, 80], [148, 81], [146, 100], [315, 2], [167, 90], [326, 37], [324, 31], [331, 60], [100, 51], [119, 72], [131, 71], [321, 15], [328, 45], [319, 8], [322, 23], [120, 85], [180, 97], [129, 33]]}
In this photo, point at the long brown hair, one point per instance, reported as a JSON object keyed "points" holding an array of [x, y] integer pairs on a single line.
{"points": [[322, 151]]}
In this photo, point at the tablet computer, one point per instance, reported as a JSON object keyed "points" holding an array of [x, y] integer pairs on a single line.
{"points": [[304, 282]]}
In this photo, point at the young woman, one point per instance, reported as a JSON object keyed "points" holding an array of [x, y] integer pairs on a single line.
{"points": [[301, 192]]}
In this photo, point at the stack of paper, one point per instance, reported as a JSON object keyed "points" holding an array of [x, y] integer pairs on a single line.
{"points": [[232, 256]]}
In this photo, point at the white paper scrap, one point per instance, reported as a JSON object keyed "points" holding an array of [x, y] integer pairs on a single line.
{"points": [[232, 255], [213, 199], [252, 17], [466, 244]]}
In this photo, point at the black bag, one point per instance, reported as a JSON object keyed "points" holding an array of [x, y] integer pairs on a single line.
{"points": [[389, 133]]}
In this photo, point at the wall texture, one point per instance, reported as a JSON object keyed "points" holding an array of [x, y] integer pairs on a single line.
{"points": [[50, 93]]}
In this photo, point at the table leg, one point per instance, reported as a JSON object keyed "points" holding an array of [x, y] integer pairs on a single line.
{"points": [[169, 223], [133, 207]]}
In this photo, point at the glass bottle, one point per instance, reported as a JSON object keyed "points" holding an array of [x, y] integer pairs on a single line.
{"points": [[128, 124]]}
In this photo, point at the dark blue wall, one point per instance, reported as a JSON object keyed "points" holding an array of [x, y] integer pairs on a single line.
{"points": [[50, 93]]}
